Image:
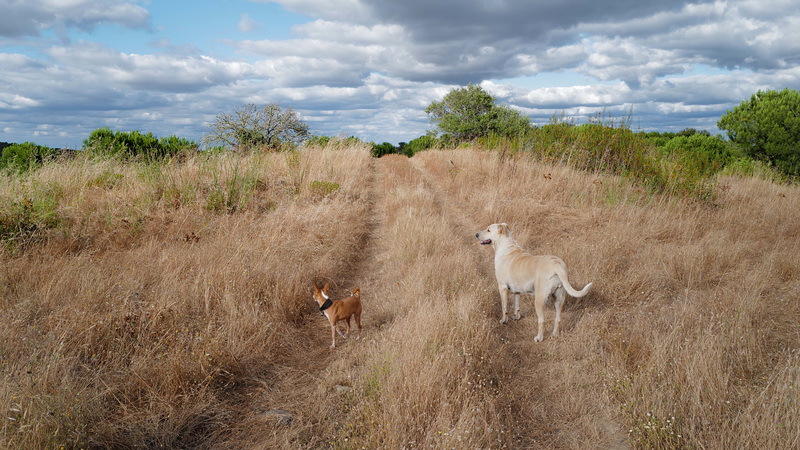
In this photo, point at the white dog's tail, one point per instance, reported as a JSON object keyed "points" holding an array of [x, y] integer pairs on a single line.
{"points": [[562, 274]]}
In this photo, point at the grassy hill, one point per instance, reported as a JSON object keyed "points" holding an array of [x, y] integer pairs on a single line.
{"points": [[168, 304]]}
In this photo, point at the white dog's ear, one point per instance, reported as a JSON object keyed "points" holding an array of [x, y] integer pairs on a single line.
{"points": [[504, 228]]}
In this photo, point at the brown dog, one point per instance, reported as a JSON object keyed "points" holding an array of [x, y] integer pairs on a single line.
{"points": [[339, 310]]}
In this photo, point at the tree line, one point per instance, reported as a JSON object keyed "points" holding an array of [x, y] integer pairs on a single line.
{"points": [[765, 128]]}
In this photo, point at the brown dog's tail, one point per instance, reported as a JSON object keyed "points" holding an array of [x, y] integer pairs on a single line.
{"points": [[357, 293]]}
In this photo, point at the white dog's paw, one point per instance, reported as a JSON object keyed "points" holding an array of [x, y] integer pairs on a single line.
{"points": [[517, 316], [538, 339], [504, 320]]}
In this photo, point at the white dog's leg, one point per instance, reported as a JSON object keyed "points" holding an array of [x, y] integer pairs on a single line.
{"points": [[539, 304], [516, 306], [559, 295], [504, 304]]}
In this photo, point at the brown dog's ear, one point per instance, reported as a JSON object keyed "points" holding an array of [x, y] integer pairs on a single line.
{"points": [[325, 289], [316, 289], [357, 292]]}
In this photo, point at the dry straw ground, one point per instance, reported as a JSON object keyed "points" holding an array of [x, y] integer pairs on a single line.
{"points": [[170, 306]]}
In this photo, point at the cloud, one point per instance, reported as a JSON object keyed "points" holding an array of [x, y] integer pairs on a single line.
{"points": [[247, 24], [29, 18]]}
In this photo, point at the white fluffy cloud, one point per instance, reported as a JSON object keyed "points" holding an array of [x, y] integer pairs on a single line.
{"points": [[370, 67]]}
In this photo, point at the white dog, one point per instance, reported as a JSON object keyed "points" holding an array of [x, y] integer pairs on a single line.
{"points": [[520, 272]]}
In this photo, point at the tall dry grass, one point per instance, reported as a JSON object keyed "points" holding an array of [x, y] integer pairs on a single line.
{"points": [[142, 318], [169, 305], [691, 327]]}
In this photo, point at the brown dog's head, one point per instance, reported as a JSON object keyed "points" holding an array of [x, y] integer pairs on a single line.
{"points": [[492, 233], [321, 296]]}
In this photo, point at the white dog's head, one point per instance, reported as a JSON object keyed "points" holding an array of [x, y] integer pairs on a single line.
{"points": [[492, 233]]}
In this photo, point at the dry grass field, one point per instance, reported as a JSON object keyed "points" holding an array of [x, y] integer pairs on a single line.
{"points": [[169, 305]]}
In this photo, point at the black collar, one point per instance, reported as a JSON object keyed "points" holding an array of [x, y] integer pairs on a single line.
{"points": [[326, 305]]}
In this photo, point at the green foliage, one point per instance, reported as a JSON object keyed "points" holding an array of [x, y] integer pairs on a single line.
{"points": [[419, 144], [602, 145], [319, 141], [22, 219], [698, 152], [249, 127], [767, 128], [606, 145], [691, 132], [469, 113], [26, 156], [508, 121], [133, 144], [386, 148]]}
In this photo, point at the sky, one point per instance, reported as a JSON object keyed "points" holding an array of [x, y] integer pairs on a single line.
{"points": [[369, 68]]}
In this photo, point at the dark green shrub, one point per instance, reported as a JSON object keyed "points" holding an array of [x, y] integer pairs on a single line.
{"points": [[23, 157], [419, 144], [698, 152], [133, 144], [386, 148]]}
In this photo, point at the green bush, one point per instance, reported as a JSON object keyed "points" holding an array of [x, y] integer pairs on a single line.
{"points": [[133, 144], [26, 156], [319, 141], [602, 145], [386, 148], [699, 153], [419, 144]]}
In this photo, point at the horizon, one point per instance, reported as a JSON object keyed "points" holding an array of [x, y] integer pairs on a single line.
{"points": [[369, 69]]}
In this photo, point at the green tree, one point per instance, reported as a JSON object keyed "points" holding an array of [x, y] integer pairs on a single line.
{"points": [[767, 128], [469, 113], [250, 126]]}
